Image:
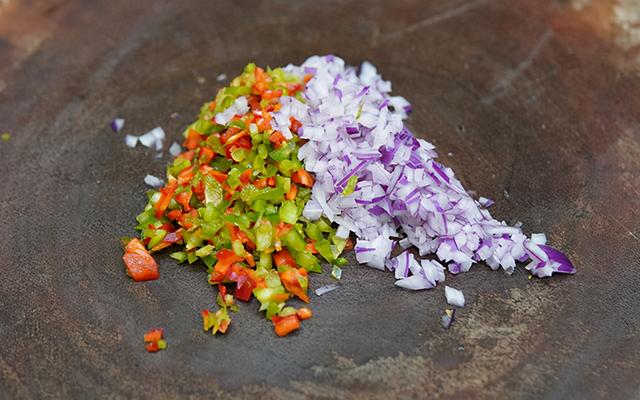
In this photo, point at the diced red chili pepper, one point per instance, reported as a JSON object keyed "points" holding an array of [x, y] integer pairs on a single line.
{"points": [[283, 257], [287, 325], [260, 183], [219, 176], [292, 193], [277, 138], [183, 199], [206, 155], [243, 143], [271, 94], [295, 125], [304, 313], [187, 155], [193, 139], [185, 176], [152, 347], [291, 277], [245, 176], [302, 177], [153, 335], [174, 214], [233, 139], [228, 134], [311, 248], [140, 265], [254, 102], [166, 193], [225, 258], [224, 325], [222, 289]]}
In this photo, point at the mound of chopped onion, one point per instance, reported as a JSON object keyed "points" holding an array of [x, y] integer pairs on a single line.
{"points": [[375, 179]]}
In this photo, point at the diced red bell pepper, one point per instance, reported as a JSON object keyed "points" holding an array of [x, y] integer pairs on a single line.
{"points": [[193, 139], [283, 257], [295, 125], [291, 279], [152, 347], [225, 258], [140, 265], [206, 155], [219, 176], [183, 199], [271, 94], [153, 335], [233, 139], [292, 193], [277, 138], [260, 183], [187, 155], [222, 289], [228, 134], [245, 177], [286, 325], [304, 313], [185, 176], [174, 214], [166, 193], [302, 177], [243, 143]]}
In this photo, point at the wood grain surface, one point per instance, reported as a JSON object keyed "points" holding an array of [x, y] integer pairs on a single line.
{"points": [[534, 103]]}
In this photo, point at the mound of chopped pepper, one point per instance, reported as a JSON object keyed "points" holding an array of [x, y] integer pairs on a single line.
{"points": [[234, 201]]}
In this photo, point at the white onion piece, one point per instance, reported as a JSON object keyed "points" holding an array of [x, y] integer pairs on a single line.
{"points": [[131, 141], [221, 77], [239, 107], [326, 289], [153, 181], [454, 296], [175, 149], [117, 124]]}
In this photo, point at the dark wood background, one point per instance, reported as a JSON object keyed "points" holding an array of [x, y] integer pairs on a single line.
{"points": [[533, 103]]}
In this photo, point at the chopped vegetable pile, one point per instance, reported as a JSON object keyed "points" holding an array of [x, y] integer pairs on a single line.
{"points": [[285, 164], [234, 200]]}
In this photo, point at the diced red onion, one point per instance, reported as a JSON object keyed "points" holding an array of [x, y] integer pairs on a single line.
{"points": [[325, 289], [175, 149], [117, 124], [131, 140], [454, 296], [401, 188], [153, 181]]}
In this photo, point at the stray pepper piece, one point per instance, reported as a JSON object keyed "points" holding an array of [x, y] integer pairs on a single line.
{"points": [[154, 340], [286, 325], [140, 264]]}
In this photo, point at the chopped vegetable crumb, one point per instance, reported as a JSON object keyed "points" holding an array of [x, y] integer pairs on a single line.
{"points": [[447, 317], [154, 340], [5, 137]]}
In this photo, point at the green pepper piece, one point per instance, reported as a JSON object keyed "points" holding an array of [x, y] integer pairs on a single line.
{"points": [[264, 236], [324, 249], [179, 256], [212, 191], [350, 187], [289, 212], [294, 241]]}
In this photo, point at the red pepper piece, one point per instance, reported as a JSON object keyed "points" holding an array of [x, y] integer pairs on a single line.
{"points": [[140, 265]]}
